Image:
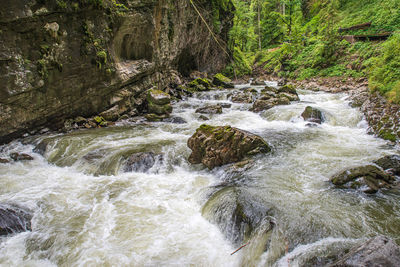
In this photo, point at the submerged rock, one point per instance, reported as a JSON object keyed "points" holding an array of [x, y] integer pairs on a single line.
{"points": [[390, 164], [176, 120], [218, 145], [221, 80], [14, 219], [4, 161], [238, 214], [41, 147], [213, 109], [20, 156], [141, 162], [313, 115], [376, 252], [203, 118], [369, 179]]}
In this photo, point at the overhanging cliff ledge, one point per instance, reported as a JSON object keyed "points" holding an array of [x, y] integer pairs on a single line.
{"points": [[62, 59]]}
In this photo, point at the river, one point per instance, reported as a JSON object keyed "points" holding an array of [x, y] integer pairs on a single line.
{"points": [[88, 212]]}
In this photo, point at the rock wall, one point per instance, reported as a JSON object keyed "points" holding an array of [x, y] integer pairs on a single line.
{"points": [[62, 59]]}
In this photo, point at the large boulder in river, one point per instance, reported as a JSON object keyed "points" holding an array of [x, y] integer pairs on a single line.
{"points": [[212, 109], [376, 252], [200, 84], [218, 145], [221, 80], [368, 179], [14, 219], [239, 215], [242, 97], [141, 162], [313, 115]]}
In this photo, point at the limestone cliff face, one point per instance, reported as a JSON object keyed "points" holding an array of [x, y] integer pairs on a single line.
{"points": [[62, 59]]}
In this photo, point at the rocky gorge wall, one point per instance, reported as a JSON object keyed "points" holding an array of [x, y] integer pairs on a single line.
{"points": [[63, 59]]}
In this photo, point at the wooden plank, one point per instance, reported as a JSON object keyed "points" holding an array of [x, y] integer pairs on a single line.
{"points": [[356, 27]]}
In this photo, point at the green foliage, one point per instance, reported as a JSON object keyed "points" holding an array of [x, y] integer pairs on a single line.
{"points": [[240, 66], [385, 69]]}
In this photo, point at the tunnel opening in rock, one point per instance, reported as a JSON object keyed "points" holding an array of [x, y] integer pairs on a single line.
{"points": [[136, 46], [186, 63]]}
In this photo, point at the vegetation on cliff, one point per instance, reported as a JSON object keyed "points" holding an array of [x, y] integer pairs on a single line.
{"points": [[300, 39]]}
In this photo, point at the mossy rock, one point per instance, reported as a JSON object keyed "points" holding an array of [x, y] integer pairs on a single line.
{"points": [[313, 115], [288, 88], [200, 84], [154, 117], [158, 97], [388, 135], [221, 80], [218, 145], [159, 109]]}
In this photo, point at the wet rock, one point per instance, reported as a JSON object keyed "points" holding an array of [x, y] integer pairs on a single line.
{"points": [[250, 90], [261, 105], [158, 97], [218, 145], [221, 80], [269, 89], [159, 109], [4, 161], [283, 100], [238, 214], [20, 156], [200, 84], [368, 179], [154, 117], [242, 97], [203, 118], [113, 113], [41, 147], [390, 164], [257, 82], [80, 120], [213, 109], [290, 89], [291, 97], [282, 82], [141, 162], [376, 252], [313, 115], [14, 219], [225, 105], [177, 120]]}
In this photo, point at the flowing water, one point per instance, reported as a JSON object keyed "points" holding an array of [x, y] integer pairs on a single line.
{"points": [[88, 212]]}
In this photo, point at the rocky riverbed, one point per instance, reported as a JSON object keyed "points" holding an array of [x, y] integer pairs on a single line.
{"points": [[289, 189]]}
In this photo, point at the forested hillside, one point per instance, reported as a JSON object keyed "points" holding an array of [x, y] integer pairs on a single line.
{"points": [[300, 39]]}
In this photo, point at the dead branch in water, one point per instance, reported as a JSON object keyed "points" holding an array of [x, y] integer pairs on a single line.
{"points": [[240, 248]]}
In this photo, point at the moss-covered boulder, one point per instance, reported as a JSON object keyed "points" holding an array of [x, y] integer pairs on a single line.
{"points": [[368, 179], [288, 88], [218, 145], [221, 80], [313, 115], [200, 84]]}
